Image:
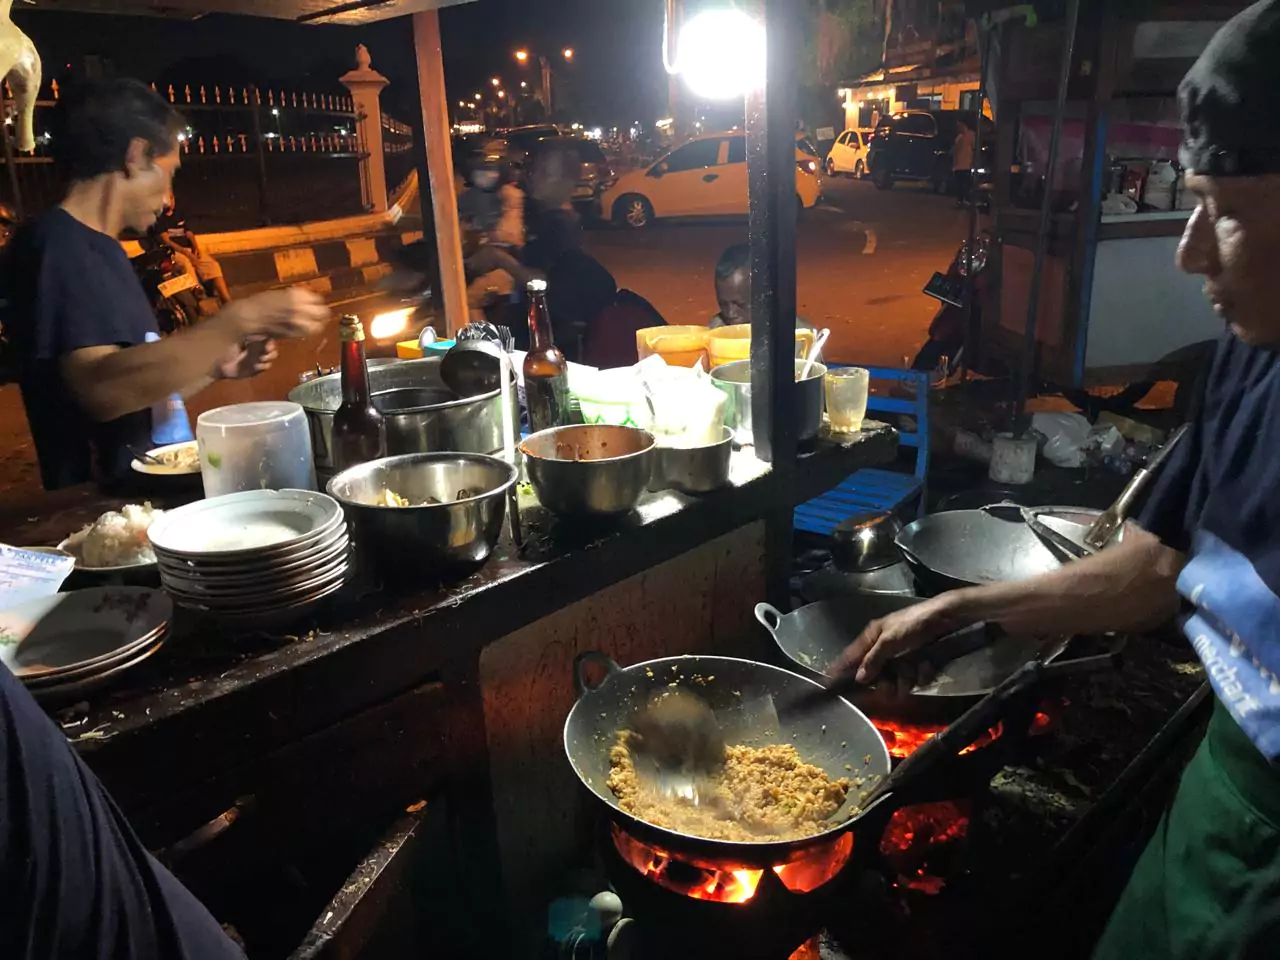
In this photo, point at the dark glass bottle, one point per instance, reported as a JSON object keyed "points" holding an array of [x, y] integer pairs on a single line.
{"points": [[546, 374], [359, 433]]}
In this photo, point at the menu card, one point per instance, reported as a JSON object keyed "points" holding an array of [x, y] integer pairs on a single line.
{"points": [[28, 574]]}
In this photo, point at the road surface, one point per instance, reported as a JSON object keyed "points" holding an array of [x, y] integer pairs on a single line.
{"points": [[862, 258]]}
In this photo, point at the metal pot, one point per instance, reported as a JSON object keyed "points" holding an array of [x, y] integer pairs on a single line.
{"points": [[591, 470], [834, 734], [453, 532], [693, 469], [735, 380], [422, 415]]}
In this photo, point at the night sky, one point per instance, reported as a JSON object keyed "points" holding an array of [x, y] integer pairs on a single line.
{"points": [[616, 75]]}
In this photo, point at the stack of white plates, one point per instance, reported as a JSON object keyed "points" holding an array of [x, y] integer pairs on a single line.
{"points": [[263, 557], [68, 644]]}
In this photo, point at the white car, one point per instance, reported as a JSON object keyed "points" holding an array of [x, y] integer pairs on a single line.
{"points": [[706, 177], [849, 154]]}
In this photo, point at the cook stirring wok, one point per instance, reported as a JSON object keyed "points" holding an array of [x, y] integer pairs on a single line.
{"points": [[1208, 884]]}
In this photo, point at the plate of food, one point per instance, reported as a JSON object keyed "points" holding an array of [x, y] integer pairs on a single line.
{"points": [[173, 460], [115, 545]]}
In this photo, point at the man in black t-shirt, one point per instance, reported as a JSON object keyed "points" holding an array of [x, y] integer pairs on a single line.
{"points": [[1207, 547], [79, 324]]}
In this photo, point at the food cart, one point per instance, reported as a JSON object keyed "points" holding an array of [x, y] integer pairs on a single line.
{"points": [[265, 767], [1113, 307]]}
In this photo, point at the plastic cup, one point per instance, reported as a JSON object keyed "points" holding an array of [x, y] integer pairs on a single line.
{"points": [[255, 446], [845, 389]]}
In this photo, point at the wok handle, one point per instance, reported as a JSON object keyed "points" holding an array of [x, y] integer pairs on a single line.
{"points": [[769, 617], [582, 660]]}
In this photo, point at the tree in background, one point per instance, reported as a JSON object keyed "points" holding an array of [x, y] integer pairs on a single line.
{"points": [[844, 39]]}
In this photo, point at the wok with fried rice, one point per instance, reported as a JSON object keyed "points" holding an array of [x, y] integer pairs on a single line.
{"points": [[835, 738]]}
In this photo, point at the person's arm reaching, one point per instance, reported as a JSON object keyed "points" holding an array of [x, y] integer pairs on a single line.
{"points": [[1128, 587], [111, 381]]}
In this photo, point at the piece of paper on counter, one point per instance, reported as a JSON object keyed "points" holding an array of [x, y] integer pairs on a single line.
{"points": [[28, 574]]}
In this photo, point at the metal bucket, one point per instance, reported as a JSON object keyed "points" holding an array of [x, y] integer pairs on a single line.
{"points": [[422, 414]]}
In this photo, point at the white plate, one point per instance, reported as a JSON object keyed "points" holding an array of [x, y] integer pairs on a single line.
{"points": [[155, 470], [266, 593], [78, 629], [104, 571], [325, 548], [197, 584], [72, 674], [275, 615], [77, 688], [241, 526]]}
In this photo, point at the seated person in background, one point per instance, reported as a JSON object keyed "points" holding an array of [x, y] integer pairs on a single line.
{"points": [[733, 288], [171, 230]]}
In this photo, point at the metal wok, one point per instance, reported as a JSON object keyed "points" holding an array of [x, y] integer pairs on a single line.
{"points": [[832, 735], [962, 548], [815, 634]]}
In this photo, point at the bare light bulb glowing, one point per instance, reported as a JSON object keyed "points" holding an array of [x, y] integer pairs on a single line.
{"points": [[721, 54]]}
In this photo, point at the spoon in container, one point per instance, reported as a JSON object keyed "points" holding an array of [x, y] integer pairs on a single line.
{"points": [[814, 351]]}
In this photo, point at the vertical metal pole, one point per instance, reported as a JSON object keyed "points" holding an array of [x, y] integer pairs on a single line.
{"points": [[771, 165], [11, 165], [255, 112], [970, 336], [1046, 210]]}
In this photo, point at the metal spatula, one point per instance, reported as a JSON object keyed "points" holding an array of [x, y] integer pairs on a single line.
{"points": [[677, 745]]}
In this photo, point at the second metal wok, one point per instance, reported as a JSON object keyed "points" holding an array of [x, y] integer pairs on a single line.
{"points": [[814, 635], [831, 736], [961, 548]]}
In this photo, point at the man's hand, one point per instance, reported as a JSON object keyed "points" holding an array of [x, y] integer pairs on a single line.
{"points": [[277, 314], [898, 634], [246, 360]]}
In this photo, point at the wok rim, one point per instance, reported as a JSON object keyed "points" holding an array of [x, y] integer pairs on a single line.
{"points": [[757, 851]]}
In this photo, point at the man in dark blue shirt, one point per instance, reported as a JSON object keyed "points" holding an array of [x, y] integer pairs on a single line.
{"points": [[1208, 543], [92, 366]]}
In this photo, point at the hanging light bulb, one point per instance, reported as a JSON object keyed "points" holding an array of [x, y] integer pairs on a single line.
{"points": [[721, 54]]}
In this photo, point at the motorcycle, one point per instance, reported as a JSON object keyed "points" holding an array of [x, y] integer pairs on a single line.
{"points": [[175, 294], [941, 353]]}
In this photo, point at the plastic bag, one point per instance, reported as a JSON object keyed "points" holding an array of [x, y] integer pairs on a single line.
{"points": [[1066, 436]]}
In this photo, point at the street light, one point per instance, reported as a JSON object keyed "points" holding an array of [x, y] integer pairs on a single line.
{"points": [[524, 84], [568, 53], [495, 82], [522, 56], [478, 98], [501, 94], [721, 54]]}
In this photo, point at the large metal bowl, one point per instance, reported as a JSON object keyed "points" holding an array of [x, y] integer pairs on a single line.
{"points": [[454, 532], [594, 470], [422, 415], [734, 379]]}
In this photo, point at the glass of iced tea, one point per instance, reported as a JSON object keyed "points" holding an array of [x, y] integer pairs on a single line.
{"points": [[845, 389]]}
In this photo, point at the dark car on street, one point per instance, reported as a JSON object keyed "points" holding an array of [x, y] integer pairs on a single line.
{"points": [[916, 145]]}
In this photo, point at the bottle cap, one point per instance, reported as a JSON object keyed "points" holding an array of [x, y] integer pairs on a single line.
{"points": [[536, 286], [350, 329]]}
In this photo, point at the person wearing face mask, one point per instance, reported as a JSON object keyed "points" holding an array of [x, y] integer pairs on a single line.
{"points": [[1206, 548], [97, 380], [492, 210]]}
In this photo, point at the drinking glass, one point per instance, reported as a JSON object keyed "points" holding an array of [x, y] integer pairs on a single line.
{"points": [[845, 389]]}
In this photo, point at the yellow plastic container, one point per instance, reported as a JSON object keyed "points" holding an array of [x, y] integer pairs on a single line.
{"points": [[679, 346], [727, 344]]}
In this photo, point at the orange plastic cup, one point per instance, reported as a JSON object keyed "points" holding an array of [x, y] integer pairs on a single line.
{"points": [[733, 342], [679, 346]]}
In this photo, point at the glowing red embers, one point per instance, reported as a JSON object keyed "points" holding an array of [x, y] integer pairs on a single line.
{"points": [[921, 841], [726, 882], [904, 739]]}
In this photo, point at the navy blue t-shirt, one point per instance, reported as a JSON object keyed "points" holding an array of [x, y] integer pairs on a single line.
{"points": [[77, 884], [1218, 501], [70, 287]]}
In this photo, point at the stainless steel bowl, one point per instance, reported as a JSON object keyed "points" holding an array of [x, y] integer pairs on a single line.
{"points": [[735, 380], [692, 469], [594, 470], [421, 413], [865, 542], [453, 532]]}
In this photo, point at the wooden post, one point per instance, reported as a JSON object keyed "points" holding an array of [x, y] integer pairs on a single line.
{"points": [[444, 201]]}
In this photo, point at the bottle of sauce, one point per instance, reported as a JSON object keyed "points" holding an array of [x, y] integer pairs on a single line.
{"points": [[546, 374], [359, 433]]}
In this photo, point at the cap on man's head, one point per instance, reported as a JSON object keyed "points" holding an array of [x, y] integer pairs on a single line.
{"points": [[1230, 98]]}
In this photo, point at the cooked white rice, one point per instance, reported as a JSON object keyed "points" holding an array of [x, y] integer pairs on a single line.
{"points": [[116, 539]]}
